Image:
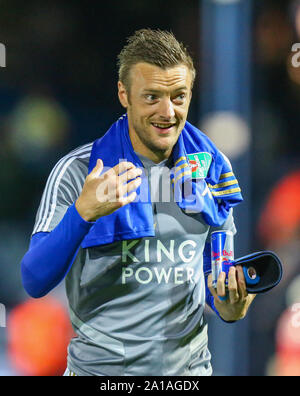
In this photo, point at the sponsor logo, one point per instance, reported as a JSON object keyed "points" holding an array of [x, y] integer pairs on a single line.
{"points": [[199, 164], [224, 253], [158, 253], [145, 275]]}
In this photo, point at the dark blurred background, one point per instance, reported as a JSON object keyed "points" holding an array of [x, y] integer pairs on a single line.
{"points": [[59, 90]]}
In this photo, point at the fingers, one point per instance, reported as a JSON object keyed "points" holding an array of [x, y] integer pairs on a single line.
{"points": [[212, 290], [234, 295], [120, 186], [114, 185], [126, 200], [119, 174], [130, 174], [97, 169], [221, 288], [241, 282], [116, 170], [236, 286], [122, 193], [130, 190], [133, 185], [215, 292], [123, 167]]}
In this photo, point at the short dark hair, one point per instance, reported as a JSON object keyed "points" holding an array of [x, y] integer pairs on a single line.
{"points": [[157, 47]]}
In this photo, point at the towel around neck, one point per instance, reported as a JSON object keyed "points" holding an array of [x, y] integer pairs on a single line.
{"points": [[202, 181]]}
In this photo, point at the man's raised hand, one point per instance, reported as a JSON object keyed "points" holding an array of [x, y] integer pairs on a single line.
{"points": [[102, 194]]}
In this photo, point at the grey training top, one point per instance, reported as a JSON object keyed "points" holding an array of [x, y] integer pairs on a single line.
{"points": [[136, 305]]}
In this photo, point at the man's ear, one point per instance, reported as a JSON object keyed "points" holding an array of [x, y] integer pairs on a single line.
{"points": [[122, 93]]}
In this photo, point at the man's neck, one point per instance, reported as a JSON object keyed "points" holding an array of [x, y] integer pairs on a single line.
{"points": [[154, 157]]}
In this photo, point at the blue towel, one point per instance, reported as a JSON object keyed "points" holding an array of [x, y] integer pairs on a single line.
{"points": [[201, 178]]}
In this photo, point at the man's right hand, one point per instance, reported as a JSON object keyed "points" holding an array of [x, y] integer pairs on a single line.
{"points": [[102, 195]]}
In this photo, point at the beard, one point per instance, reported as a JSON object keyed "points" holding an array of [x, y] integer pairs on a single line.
{"points": [[147, 136]]}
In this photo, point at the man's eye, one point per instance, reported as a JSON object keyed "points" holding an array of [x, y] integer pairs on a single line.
{"points": [[180, 98], [150, 97]]}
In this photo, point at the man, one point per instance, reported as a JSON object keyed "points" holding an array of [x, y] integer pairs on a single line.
{"points": [[133, 265]]}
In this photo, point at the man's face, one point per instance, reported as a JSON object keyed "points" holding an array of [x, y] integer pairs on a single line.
{"points": [[157, 107]]}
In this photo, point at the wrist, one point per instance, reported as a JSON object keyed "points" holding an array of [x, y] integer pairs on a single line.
{"points": [[230, 318], [83, 212], [232, 312]]}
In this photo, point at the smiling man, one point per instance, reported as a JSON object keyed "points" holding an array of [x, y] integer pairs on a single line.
{"points": [[136, 278]]}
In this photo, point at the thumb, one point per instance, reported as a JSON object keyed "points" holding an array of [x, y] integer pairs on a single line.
{"points": [[98, 168]]}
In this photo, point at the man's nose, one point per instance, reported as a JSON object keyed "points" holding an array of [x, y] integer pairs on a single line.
{"points": [[167, 109]]}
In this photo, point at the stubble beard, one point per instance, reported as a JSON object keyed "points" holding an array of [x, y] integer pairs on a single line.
{"points": [[160, 150]]}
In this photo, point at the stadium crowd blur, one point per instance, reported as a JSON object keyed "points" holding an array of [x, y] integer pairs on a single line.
{"points": [[58, 91]]}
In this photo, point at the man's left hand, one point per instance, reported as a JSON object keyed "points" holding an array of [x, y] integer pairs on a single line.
{"points": [[238, 300]]}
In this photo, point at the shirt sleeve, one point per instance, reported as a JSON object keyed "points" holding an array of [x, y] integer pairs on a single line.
{"points": [[51, 254], [59, 229], [63, 187]]}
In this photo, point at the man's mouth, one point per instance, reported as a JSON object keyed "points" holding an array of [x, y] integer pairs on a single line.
{"points": [[163, 126]]}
